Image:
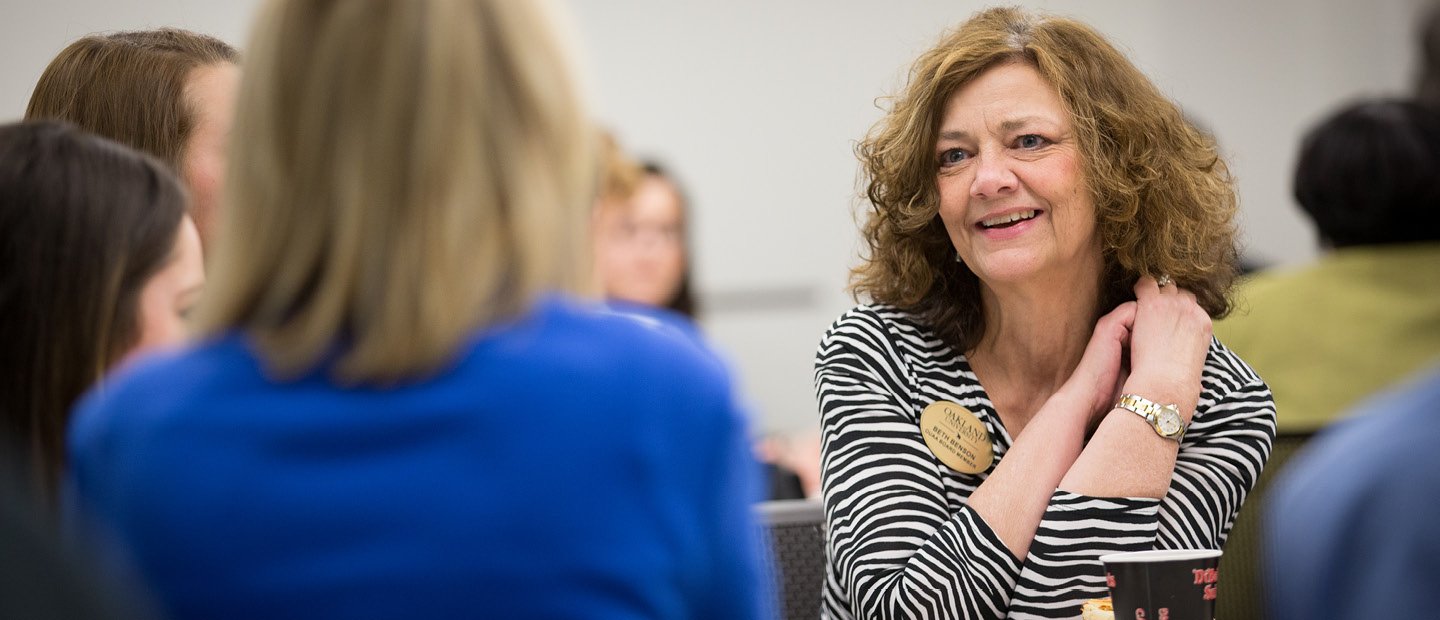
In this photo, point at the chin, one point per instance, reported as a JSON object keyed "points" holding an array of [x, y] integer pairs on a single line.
{"points": [[1007, 271]]}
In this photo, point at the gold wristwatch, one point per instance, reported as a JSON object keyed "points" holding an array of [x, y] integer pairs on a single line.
{"points": [[1165, 419]]}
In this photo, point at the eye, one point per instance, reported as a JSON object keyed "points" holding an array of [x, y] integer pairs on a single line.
{"points": [[950, 157], [1030, 141]]}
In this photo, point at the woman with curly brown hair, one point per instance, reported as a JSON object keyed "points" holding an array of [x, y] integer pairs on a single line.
{"points": [[1034, 382]]}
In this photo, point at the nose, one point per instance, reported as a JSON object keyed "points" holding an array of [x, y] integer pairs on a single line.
{"points": [[993, 177]]}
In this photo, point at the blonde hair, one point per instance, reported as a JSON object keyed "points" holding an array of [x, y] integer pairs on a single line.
{"points": [[404, 173], [1164, 200], [620, 174]]}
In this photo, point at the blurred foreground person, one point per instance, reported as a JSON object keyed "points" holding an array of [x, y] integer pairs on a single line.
{"points": [[397, 410], [98, 261], [1351, 522], [42, 577]]}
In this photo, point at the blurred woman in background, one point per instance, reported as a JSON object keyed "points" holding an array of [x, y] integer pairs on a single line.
{"points": [[398, 411], [98, 261], [167, 92], [642, 253]]}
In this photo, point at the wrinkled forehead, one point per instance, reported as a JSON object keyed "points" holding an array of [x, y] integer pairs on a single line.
{"points": [[1003, 99]]}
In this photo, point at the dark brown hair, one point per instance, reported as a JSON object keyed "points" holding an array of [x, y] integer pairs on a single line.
{"points": [[84, 223], [684, 300], [1367, 175], [129, 87], [1163, 198]]}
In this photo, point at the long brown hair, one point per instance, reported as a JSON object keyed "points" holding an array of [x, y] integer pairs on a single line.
{"points": [[684, 301], [1164, 199], [84, 223], [129, 87]]}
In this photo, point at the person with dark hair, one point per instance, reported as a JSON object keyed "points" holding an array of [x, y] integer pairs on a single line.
{"points": [[1367, 313], [98, 260], [1032, 382], [167, 92]]}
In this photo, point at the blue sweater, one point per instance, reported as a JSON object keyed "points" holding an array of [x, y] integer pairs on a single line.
{"points": [[1350, 524], [570, 464]]}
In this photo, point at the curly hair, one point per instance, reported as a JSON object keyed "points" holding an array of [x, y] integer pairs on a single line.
{"points": [[1164, 200]]}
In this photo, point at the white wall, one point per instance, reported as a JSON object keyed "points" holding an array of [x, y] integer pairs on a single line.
{"points": [[33, 31], [757, 105]]}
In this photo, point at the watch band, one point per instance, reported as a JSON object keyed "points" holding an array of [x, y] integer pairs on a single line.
{"points": [[1165, 419]]}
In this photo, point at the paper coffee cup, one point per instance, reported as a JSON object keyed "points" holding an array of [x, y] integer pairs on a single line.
{"points": [[1163, 585]]}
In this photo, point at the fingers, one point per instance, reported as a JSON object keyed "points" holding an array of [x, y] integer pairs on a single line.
{"points": [[1146, 287], [1116, 324], [1169, 339], [1149, 286], [1166, 285], [1123, 314]]}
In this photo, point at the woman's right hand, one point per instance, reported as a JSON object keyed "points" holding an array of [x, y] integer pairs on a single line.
{"points": [[1097, 378]]}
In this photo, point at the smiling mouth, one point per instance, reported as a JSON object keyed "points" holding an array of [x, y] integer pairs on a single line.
{"points": [[1008, 220]]}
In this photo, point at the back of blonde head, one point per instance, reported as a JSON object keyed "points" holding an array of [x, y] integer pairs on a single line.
{"points": [[403, 173]]}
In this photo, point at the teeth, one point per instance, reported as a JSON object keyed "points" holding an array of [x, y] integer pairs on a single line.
{"points": [[1006, 219]]}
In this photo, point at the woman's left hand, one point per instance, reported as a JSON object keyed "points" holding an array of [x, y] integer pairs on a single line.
{"points": [[1168, 344]]}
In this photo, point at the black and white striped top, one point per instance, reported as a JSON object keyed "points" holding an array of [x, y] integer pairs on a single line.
{"points": [[903, 543]]}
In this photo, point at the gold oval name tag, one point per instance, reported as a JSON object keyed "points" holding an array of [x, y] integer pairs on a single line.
{"points": [[957, 437]]}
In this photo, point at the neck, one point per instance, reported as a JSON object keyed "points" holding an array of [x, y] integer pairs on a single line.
{"points": [[1036, 332]]}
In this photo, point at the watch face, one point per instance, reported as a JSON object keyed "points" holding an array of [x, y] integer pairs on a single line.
{"points": [[1169, 425], [1169, 422]]}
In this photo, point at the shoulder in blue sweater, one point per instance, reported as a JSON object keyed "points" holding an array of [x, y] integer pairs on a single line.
{"points": [[570, 463]]}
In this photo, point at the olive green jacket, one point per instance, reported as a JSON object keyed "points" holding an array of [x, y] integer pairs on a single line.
{"points": [[1325, 335]]}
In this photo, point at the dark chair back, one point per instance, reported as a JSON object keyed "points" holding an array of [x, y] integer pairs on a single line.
{"points": [[1242, 591], [797, 539]]}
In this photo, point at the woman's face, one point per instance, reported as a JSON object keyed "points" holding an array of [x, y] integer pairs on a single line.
{"points": [[639, 245], [1012, 193], [170, 294], [210, 95]]}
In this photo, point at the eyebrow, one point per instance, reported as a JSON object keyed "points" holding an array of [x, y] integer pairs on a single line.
{"points": [[1007, 125]]}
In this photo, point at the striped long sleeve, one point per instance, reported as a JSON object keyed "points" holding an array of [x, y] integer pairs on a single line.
{"points": [[903, 542]]}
